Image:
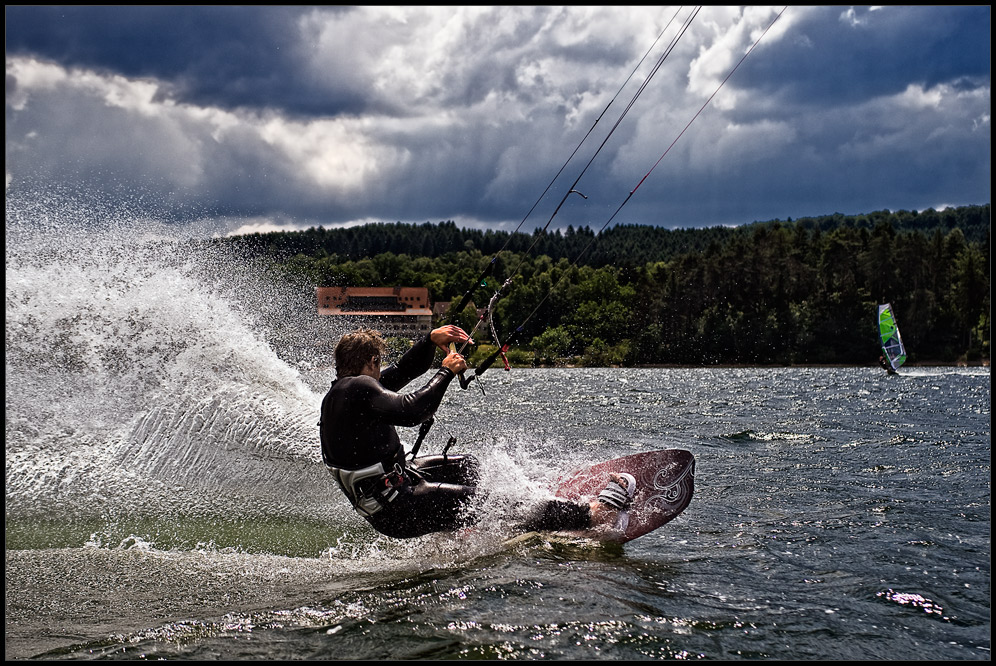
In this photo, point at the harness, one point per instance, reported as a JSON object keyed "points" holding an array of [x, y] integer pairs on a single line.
{"points": [[371, 488]]}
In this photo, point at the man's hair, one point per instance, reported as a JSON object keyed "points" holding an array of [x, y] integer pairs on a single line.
{"points": [[355, 350]]}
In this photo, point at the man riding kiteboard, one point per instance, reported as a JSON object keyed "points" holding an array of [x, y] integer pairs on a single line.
{"points": [[405, 499]]}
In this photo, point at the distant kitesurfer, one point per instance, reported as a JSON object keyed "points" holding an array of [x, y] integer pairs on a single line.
{"points": [[885, 365], [404, 499]]}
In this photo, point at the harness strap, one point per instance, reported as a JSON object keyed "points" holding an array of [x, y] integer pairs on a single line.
{"points": [[371, 488], [422, 432]]}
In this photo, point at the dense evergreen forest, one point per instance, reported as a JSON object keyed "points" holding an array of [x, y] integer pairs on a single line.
{"points": [[776, 292]]}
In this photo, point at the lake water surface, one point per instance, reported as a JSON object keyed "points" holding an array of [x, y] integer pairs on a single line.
{"points": [[165, 496], [838, 514]]}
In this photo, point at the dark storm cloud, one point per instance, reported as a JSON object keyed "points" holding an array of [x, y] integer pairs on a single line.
{"points": [[846, 55], [335, 115], [230, 57]]}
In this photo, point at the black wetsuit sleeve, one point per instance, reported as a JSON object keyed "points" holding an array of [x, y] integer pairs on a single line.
{"points": [[414, 363], [413, 408]]}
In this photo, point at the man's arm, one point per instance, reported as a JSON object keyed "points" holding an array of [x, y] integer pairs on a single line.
{"points": [[409, 409], [412, 364], [417, 360]]}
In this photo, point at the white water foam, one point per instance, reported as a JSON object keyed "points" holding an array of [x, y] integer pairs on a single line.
{"points": [[141, 370]]}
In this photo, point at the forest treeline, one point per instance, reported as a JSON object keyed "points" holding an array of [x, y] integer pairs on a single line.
{"points": [[801, 291]]}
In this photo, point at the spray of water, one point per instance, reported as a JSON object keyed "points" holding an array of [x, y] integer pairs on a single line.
{"points": [[151, 371]]}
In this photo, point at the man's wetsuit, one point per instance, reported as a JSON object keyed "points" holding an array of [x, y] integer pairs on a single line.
{"points": [[361, 447], [359, 415]]}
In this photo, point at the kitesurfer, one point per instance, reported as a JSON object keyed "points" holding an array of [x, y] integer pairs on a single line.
{"points": [[404, 499], [885, 365]]}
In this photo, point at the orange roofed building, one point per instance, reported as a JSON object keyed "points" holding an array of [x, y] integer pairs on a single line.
{"points": [[394, 311]]}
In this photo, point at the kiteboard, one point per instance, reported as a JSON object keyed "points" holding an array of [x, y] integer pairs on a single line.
{"points": [[665, 481]]}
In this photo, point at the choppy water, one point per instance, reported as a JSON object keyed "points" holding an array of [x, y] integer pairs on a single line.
{"points": [[165, 496]]}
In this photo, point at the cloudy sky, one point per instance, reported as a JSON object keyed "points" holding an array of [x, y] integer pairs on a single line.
{"points": [[300, 116]]}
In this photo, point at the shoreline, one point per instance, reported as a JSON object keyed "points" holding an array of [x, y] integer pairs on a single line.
{"points": [[924, 364], [720, 366]]}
